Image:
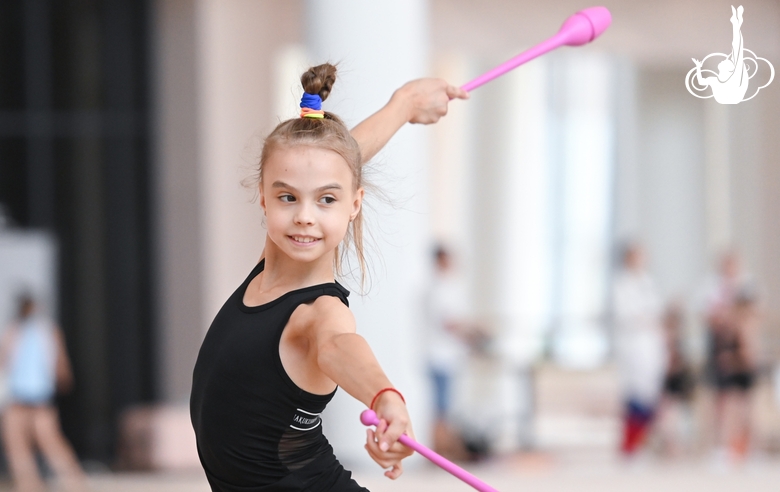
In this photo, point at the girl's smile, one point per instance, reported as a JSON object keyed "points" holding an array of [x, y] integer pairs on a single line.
{"points": [[304, 241]]}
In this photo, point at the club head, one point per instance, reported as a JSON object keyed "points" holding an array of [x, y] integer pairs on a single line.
{"points": [[585, 26], [368, 417]]}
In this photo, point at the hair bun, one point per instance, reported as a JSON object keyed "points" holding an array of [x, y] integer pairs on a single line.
{"points": [[319, 80]]}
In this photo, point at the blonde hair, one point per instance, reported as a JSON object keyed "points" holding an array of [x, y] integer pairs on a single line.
{"points": [[329, 133]]}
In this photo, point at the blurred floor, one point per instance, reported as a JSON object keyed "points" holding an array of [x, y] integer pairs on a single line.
{"points": [[529, 473]]}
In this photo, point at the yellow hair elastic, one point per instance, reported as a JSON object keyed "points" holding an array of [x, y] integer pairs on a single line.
{"points": [[312, 113]]}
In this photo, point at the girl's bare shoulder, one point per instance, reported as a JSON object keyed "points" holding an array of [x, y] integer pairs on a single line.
{"points": [[329, 314]]}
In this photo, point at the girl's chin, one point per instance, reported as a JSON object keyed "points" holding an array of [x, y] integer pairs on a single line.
{"points": [[306, 252]]}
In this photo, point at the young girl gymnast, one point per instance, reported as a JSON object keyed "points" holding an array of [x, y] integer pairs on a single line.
{"points": [[286, 339]]}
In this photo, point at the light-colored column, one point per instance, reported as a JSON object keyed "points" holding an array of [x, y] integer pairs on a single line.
{"points": [[717, 178], [237, 41], [585, 161], [380, 46], [769, 229], [214, 86], [745, 161], [451, 170], [672, 192], [511, 197], [627, 210], [177, 184]]}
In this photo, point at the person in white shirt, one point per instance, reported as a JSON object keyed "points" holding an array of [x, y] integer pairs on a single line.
{"points": [[446, 315], [640, 346]]}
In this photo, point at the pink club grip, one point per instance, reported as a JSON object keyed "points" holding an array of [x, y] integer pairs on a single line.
{"points": [[368, 418]]}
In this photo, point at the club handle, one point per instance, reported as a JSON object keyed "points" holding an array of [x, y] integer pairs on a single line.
{"points": [[368, 417], [515, 62]]}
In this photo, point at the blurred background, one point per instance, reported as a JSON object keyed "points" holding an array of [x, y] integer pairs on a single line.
{"points": [[128, 127]]}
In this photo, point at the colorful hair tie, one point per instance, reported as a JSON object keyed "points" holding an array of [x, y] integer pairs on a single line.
{"points": [[311, 106], [312, 113]]}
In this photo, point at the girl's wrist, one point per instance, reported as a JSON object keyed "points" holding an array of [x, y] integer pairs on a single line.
{"points": [[401, 104], [383, 393]]}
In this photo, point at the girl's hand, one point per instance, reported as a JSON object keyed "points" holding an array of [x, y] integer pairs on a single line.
{"points": [[419, 101], [382, 445], [426, 100]]}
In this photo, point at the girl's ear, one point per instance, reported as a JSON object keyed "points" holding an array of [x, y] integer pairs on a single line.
{"points": [[262, 197], [357, 204]]}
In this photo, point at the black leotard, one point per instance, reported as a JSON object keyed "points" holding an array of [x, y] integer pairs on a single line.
{"points": [[729, 367], [256, 429]]}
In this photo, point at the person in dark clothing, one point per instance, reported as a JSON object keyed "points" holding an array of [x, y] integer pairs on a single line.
{"points": [[736, 362], [731, 356], [286, 339], [678, 383]]}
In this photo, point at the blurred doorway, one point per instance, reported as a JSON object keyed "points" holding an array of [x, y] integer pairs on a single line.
{"points": [[74, 162]]}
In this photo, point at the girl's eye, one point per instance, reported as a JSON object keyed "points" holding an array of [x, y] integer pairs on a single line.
{"points": [[328, 199], [287, 198]]}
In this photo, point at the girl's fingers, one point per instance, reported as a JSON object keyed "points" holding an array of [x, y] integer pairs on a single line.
{"points": [[372, 446], [388, 458], [390, 436], [454, 92], [395, 472], [431, 99], [380, 431], [383, 459]]}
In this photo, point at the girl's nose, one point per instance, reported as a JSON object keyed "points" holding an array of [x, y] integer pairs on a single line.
{"points": [[304, 215]]}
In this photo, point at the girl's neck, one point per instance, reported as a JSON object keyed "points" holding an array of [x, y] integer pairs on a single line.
{"points": [[282, 271]]}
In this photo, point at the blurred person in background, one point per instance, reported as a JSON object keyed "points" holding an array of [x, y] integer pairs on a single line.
{"points": [[640, 346], [737, 365], [446, 313], [678, 384], [729, 354], [36, 365]]}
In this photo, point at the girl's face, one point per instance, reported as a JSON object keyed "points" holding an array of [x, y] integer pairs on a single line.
{"points": [[309, 199]]}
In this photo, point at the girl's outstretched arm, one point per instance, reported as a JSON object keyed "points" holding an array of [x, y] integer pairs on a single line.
{"points": [[345, 357], [419, 101]]}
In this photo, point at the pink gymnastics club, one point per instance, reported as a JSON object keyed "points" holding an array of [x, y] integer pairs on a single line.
{"points": [[582, 27], [368, 417]]}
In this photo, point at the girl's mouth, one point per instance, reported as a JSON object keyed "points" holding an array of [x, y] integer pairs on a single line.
{"points": [[304, 240]]}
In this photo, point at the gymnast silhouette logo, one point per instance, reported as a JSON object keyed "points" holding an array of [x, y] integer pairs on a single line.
{"points": [[730, 84]]}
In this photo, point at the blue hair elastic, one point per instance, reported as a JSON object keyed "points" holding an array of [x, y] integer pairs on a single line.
{"points": [[311, 101]]}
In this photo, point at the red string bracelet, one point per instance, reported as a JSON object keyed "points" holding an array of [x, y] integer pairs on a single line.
{"points": [[382, 391]]}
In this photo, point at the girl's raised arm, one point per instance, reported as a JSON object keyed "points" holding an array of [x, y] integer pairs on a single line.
{"points": [[419, 101]]}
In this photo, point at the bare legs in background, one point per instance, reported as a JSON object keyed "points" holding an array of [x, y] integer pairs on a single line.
{"points": [[27, 429]]}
